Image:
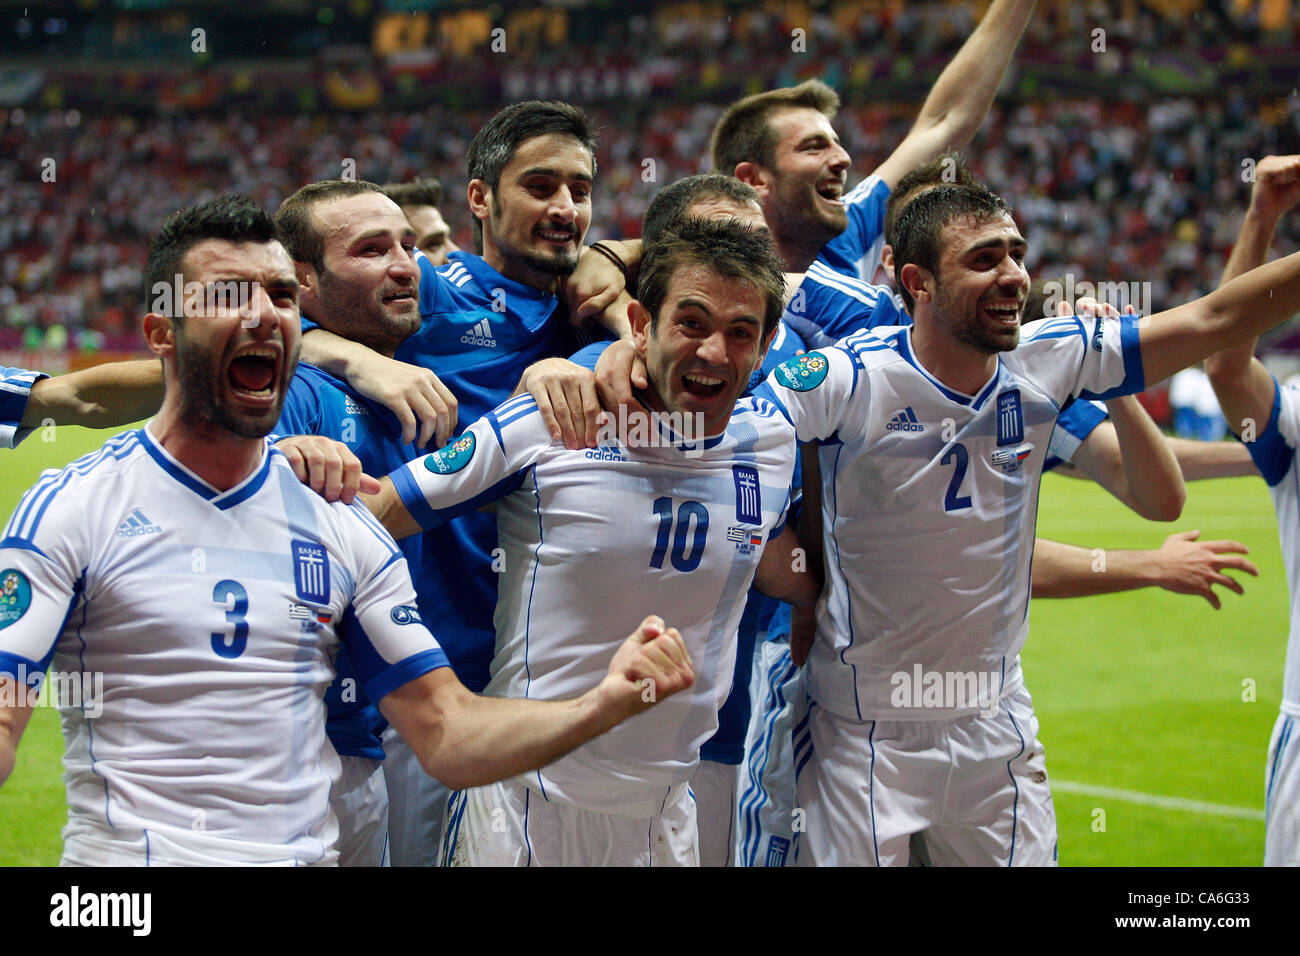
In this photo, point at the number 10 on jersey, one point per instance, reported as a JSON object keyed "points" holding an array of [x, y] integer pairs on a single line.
{"points": [[687, 533]]}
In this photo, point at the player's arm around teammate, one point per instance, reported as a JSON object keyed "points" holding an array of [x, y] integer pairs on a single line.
{"points": [[466, 740]]}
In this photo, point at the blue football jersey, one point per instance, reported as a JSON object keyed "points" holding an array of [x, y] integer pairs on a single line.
{"points": [[15, 388]]}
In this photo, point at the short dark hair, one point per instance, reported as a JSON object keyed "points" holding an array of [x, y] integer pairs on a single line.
{"points": [[743, 134], [946, 170], [672, 202], [301, 233], [418, 192], [495, 144], [727, 247], [920, 225], [232, 218]]}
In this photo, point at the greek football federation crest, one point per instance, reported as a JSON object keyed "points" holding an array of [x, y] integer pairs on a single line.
{"points": [[15, 596], [1011, 423], [803, 373], [453, 457], [311, 572], [749, 505]]}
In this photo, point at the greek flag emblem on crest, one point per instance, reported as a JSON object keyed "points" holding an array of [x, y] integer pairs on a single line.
{"points": [[1011, 423], [311, 572], [749, 506]]}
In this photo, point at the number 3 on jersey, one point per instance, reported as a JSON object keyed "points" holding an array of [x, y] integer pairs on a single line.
{"points": [[950, 500], [692, 526], [224, 594]]}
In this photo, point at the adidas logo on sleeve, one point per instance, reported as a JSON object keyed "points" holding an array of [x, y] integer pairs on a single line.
{"points": [[136, 524], [904, 421], [480, 335]]}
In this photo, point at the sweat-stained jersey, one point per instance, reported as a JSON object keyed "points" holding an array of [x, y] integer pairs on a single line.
{"points": [[596, 539], [213, 618], [929, 503]]}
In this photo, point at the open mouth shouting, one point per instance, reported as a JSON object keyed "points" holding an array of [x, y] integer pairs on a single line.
{"points": [[832, 191], [701, 385], [254, 373]]}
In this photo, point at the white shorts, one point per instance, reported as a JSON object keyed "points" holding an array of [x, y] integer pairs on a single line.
{"points": [[714, 788], [766, 800], [417, 804], [360, 801], [1282, 795], [506, 824], [972, 790]]}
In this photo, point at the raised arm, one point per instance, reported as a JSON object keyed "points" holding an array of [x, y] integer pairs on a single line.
{"points": [[103, 396], [425, 407], [1129, 458], [961, 96], [1182, 565], [1242, 384], [466, 740]]}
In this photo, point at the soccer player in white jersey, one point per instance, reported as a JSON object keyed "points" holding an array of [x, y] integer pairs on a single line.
{"points": [[920, 734], [1266, 415], [186, 566], [594, 534]]}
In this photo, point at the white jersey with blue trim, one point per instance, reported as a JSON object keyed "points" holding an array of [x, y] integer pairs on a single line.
{"points": [[1274, 453], [593, 541], [15, 388], [212, 619], [929, 504]]}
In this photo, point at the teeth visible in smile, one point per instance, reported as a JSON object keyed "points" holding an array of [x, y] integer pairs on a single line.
{"points": [[557, 236], [703, 379]]}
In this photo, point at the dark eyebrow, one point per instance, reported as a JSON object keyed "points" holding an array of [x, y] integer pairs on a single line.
{"points": [[408, 232], [1017, 243], [553, 173]]}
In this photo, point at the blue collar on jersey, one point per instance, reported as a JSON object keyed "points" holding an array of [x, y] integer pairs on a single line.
{"points": [[975, 402], [222, 499]]}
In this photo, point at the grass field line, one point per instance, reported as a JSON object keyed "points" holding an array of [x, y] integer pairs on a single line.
{"points": [[1155, 800]]}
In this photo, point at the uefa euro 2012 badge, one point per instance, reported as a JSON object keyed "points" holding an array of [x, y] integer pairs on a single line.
{"points": [[803, 373], [452, 458], [15, 596]]}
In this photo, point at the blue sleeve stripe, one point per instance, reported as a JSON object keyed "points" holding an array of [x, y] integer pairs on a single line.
{"points": [[413, 497], [377, 529], [486, 497], [505, 409], [1081, 418], [405, 671], [1270, 451], [514, 416], [1130, 343], [496, 430], [22, 544], [27, 517]]}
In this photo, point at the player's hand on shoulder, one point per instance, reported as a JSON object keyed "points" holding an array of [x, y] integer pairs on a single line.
{"points": [[328, 467], [1188, 566], [619, 373], [425, 406], [650, 665], [565, 393], [595, 285]]}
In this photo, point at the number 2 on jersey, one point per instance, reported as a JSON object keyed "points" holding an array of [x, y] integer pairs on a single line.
{"points": [[231, 646], [690, 512], [950, 500]]}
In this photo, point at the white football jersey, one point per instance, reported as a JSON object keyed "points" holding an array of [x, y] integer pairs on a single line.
{"points": [[929, 500], [594, 540], [212, 620], [1274, 452]]}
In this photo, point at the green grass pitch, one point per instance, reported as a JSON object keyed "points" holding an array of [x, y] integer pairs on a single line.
{"points": [[1139, 695]]}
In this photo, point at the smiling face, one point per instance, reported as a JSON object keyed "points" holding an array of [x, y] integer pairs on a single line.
{"points": [[536, 218], [367, 288], [705, 345], [978, 292], [803, 201], [234, 365]]}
